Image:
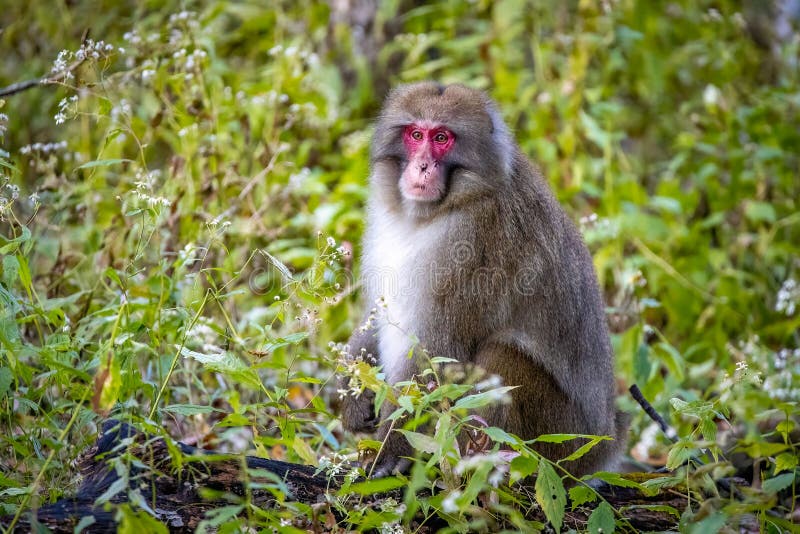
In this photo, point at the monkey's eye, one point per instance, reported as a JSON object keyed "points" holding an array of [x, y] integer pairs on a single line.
{"points": [[440, 138], [416, 135]]}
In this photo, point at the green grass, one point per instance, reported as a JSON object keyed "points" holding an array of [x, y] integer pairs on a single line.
{"points": [[171, 218]]}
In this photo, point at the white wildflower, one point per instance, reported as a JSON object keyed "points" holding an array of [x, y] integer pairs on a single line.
{"points": [[449, 504], [788, 297]]}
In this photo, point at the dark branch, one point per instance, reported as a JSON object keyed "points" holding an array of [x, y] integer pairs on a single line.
{"points": [[19, 87]]}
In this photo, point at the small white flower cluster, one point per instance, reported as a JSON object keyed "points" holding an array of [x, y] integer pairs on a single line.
{"points": [[132, 37], [148, 71], [338, 252], [190, 62], [744, 352], [120, 110], [13, 191], [309, 319], [355, 144], [270, 97], [784, 356], [189, 255], [3, 124], [205, 338], [392, 528], [390, 504], [713, 15], [635, 278], [334, 464], [297, 179], [43, 148], [449, 503], [145, 185], [374, 313], [89, 50], [490, 386], [499, 464], [594, 222], [183, 17], [219, 222], [66, 106], [788, 297], [782, 383], [311, 59], [346, 359]]}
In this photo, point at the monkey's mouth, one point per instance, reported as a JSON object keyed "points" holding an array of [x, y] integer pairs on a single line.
{"points": [[421, 193]]}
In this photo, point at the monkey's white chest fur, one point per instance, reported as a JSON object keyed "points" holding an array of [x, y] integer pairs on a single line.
{"points": [[397, 270]]}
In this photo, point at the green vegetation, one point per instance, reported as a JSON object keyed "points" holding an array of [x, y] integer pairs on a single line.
{"points": [[177, 213]]}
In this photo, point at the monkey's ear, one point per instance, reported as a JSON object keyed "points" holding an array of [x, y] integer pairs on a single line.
{"points": [[501, 137]]}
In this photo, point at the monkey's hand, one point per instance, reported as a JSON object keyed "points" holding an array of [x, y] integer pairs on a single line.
{"points": [[358, 412], [394, 456]]}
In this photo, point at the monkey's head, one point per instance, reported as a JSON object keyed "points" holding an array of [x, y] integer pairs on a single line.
{"points": [[439, 146]]}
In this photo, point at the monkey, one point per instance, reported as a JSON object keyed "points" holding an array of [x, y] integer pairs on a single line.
{"points": [[470, 252]]}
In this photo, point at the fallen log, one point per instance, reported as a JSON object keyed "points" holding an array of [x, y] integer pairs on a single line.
{"points": [[177, 492]]}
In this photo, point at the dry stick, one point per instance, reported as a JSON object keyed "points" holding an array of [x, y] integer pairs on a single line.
{"points": [[672, 435], [637, 395], [670, 432]]}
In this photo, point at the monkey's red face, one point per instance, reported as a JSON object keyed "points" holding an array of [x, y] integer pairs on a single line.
{"points": [[426, 145]]}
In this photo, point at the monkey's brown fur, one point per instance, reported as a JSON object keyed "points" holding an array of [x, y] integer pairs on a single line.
{"points": [[494, 273]]}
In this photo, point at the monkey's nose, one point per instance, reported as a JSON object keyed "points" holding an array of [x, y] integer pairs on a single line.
{"points": [[423, 166]]}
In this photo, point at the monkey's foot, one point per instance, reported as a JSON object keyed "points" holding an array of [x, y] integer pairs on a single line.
{"points": [[390, 466]]}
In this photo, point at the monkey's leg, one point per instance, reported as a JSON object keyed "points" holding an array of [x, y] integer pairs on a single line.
{"points": [[358, 412], [539, 406], [394, 456]]}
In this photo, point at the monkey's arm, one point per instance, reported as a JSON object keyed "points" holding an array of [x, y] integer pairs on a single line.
{"points": [[358, 413]]}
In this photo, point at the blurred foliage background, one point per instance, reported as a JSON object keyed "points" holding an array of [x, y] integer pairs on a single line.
{"points": [[178, 209]]}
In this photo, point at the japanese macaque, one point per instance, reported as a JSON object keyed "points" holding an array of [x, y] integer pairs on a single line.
{"points": [[472, 255]]}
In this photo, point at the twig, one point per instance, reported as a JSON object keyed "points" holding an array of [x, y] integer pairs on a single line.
{"points": [[19, 87], [637, 395]]}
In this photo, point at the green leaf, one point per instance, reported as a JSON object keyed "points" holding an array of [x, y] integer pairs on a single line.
{"points": [[118, 486], [304, 451], [103, 163], [760, 449], [759, 211], [85, 521], [776, 484], [138, 521], [593, 131], [498, 435], [233, 419], [709, 525], [615, 479], [486, 398], [10, 270], [783, 462], [680, 453], [226, 363], [291, 339], [6, 379], [550, 495], [420, 442], [278, 264], [406, 402], [188, 409], [376, 485], [586, 447], [442, 359], [672, 359], [602, 519], [581, 494], [522, 467], [556, 438]]}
